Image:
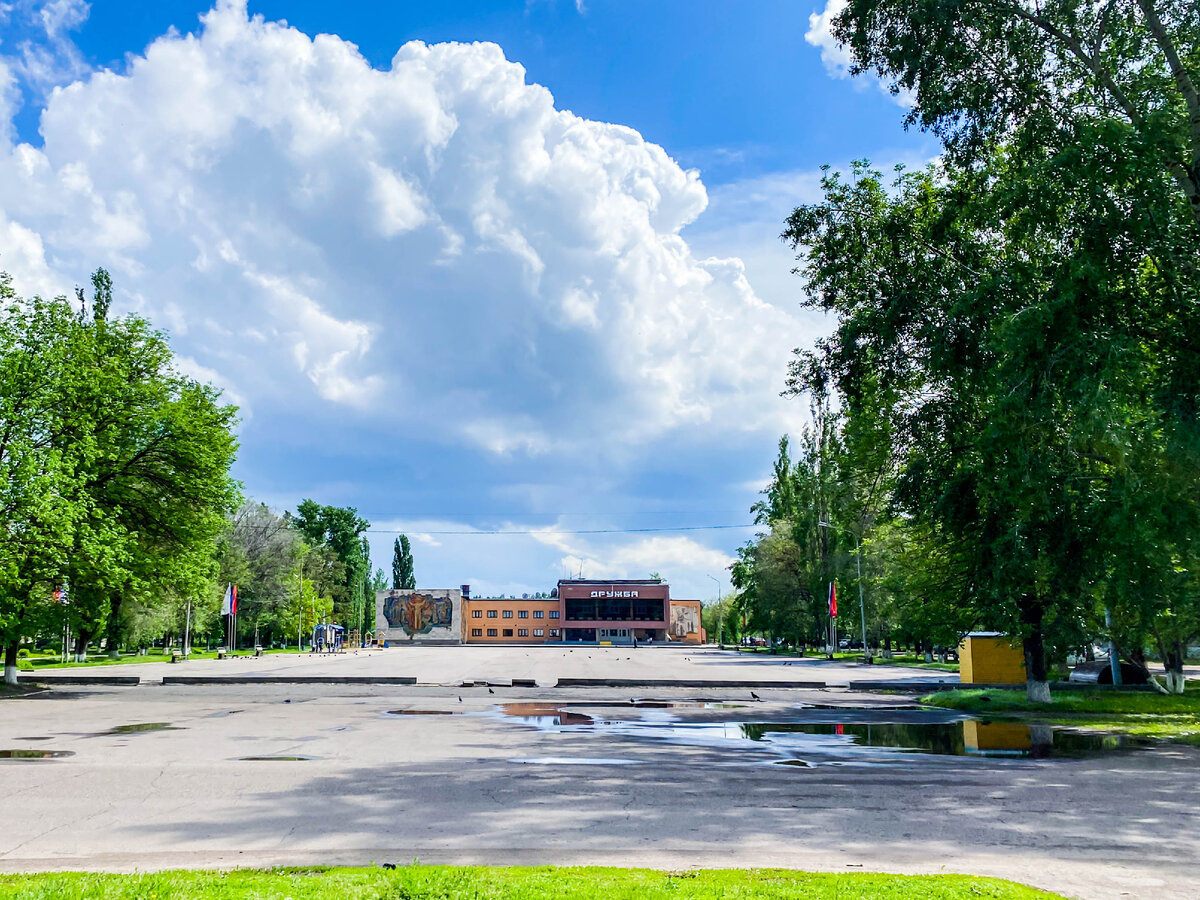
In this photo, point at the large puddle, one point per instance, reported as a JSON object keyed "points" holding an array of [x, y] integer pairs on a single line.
{"points": [[823, 737]]}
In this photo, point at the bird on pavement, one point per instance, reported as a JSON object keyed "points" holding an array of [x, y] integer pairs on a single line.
{"points": [[460, 699], [490, 691], [755, 696]]}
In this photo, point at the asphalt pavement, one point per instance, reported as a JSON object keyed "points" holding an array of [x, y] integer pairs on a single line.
{"points": [[240, 775]]}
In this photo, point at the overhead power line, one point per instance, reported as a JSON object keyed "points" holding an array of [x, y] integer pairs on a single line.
{"points": [[556, 533]]}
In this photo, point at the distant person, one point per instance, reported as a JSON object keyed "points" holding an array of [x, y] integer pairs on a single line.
{"points": [[635, 642]]}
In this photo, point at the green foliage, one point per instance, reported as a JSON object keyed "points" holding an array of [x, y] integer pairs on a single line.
{"points": [[340, 529], [1034, 383], [722, 620], [403, 577], [115, 468], [430, 882], [1017, 325], [817, 506], [983, 73]]}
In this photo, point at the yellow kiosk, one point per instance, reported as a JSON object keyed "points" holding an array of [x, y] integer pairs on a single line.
{"points": [[987, 657]]}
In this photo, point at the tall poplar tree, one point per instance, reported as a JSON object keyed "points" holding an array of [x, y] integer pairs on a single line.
{"points": [[403, 577]]}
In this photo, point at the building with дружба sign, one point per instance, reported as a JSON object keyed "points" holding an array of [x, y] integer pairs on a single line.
{"points": [[584, 611]]}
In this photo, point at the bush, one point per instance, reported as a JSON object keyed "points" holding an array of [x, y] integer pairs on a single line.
{"points": [[23, 664], [23, 653]]}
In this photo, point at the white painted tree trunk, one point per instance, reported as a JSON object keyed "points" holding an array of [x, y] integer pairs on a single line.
{"points": [[1175, 682], [1037, 691], [10, 675]]}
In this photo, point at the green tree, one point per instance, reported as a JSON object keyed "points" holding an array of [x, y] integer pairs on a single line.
{"points": [[987, 72], [38, 379], [1034, 375], [403, 577], [341, 529], [117, 468]]}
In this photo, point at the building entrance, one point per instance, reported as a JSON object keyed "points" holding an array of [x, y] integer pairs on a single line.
{"points": [[616, 635]]}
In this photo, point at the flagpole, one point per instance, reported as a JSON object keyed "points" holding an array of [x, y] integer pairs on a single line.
{"points": [[187, 630]]}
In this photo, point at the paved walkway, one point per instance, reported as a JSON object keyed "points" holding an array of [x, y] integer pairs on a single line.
{"points": [[454, 665], [460, 781]]}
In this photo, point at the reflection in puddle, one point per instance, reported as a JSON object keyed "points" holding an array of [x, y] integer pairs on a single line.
{"points": [[544, 714], [575, 761], [36, 737], [818, 738], [421, 712], [969, 738], [140, 727], [276, 758], [34, 754]]}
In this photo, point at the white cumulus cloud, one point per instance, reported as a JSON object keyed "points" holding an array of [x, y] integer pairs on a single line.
{"points": [[433, 245]]}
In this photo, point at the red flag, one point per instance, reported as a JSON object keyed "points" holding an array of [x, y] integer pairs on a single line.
{"points": [[233, 599], [832, 600]]}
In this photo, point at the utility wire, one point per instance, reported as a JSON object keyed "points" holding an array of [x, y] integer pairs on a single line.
{"points": [[556, 533]]}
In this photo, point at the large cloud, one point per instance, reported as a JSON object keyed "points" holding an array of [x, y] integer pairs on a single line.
{"points": [[434, 246]]}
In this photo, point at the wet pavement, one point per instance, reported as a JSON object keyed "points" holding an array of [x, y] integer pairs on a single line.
{"points": [[811, 736], [294, 775]]}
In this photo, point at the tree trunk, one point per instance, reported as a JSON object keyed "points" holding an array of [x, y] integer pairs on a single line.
{"points": [[1037, 685], [114, 624], [10, 664], [1173, 663], [82, 639]]}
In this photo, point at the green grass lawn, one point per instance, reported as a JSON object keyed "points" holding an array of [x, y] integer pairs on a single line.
{"points": [[1131, 712], [917, 662], [413, 882], [125, 659]]}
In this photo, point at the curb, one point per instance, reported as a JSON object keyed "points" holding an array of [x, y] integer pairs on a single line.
{"points": [[118, 680], [685, 683], [284, 679]]}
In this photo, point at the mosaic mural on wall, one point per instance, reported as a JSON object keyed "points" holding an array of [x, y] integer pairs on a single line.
{"points": [[685, 620], [418, 613]]}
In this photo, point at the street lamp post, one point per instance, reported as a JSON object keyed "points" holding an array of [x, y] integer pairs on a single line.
{"points": [[720, 616], [862, 607], [300, 618]]}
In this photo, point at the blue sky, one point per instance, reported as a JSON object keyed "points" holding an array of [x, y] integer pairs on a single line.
{"points": [[532, 284]]}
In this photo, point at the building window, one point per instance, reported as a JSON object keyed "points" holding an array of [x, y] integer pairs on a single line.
{"points": [[539, 614], [522, 614], [491, 614], [539, 632], [491, 632], [508, 614], [554, 613], [522, 632], [553, 632], [507, 632], [476, 632], [477, 614]]}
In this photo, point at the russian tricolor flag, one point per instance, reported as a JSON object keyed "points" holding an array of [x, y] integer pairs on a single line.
{"points": [[229, 604]]}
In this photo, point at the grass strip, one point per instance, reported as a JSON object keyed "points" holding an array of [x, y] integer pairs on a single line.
{"points": [[418, 882], [40, 664]]}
